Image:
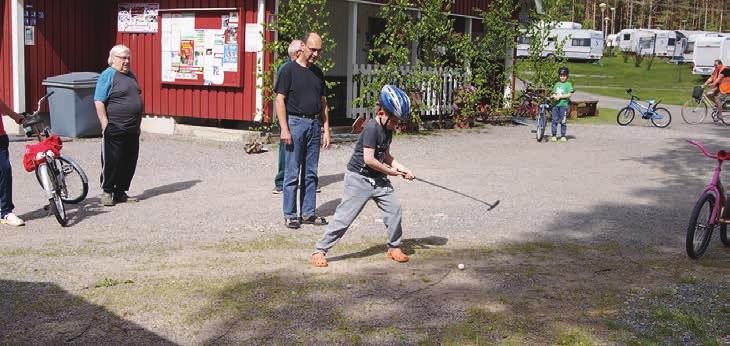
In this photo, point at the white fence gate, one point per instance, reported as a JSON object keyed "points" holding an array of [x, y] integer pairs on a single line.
{"points": [[435, 101]]}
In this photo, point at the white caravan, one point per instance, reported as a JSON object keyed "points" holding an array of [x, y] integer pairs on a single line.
{"points": [[706, 50], [665, 41], [625, 37], [691, 38], [579, 44]]}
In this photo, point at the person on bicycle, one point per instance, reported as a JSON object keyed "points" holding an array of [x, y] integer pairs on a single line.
{"points": [[7, 216], [714, 77], [366, 178], [562, 91], [723, 87]]}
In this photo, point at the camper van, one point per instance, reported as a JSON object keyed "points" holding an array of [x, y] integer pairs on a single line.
{"points": [[665, 41], [579, 44], [691, 38], [706, 50], [625, 37]]}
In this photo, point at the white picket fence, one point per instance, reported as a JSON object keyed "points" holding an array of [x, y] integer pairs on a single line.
{"points": [[437, 102]]}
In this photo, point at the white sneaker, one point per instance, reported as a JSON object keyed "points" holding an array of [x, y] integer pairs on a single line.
{"points": [[12, 220]]}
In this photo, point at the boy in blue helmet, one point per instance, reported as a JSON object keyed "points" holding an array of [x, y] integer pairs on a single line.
{"points": [[366, 178]]}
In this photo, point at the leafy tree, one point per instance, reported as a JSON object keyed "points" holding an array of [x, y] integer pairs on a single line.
{"points": [[296, 18]]}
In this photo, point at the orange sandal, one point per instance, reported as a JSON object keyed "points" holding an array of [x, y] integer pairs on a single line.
{"points": [[397, 255], [318, 260]]}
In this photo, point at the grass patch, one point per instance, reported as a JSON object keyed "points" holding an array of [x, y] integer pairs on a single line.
{"points": [[574, 337], [606, 116], [673, 83], [673, 323], [107, 282], [274, 243]]}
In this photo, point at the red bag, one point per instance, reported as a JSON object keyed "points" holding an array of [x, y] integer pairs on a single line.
{"points": [[52, 143]]}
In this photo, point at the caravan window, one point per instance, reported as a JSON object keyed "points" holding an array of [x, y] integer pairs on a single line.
{"points": [[581, 42], [523, 40], [627, 37], [671, 41]]}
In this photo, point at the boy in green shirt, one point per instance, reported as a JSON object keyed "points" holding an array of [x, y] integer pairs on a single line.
{"points": [[562, 91]]}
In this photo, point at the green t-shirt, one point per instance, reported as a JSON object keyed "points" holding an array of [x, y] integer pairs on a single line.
{"points": [[564, 89]]}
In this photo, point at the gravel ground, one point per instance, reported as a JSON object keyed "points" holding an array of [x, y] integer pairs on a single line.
{"points": [[631, 186]]}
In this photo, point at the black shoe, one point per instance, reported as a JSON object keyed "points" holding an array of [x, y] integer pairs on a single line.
{"points": [[314, 220], [292, 223], [122, 197]]}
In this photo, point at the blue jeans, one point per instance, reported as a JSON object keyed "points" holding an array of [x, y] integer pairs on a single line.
{"points": [[302, 154], [560, 114], [6, 179], [279, 178]]}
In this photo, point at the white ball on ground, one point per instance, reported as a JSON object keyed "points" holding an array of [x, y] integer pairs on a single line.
{"points": [[461, 266]]}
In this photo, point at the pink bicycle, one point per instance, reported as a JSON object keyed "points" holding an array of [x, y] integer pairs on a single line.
{"points": [[709, 211]]}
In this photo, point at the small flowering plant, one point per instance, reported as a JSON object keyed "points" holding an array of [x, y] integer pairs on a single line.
{"points": [[466, 105]]}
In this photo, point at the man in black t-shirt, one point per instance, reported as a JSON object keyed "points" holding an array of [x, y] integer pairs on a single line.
{"points": [[366, 178], [301, 103]]}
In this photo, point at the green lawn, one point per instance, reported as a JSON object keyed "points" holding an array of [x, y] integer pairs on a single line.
{"points": [[611, 77], [605, 116]]}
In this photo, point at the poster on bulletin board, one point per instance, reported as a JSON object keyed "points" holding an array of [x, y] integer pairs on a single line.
{"points": [[200, 47], [137, 17]]}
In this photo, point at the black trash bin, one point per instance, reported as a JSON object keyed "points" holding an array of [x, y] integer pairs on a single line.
{"points": [[72, 105]]}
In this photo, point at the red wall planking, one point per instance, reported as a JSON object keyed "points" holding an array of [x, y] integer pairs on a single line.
{"points": [[67, 40], [76, 35], [6, 56]]}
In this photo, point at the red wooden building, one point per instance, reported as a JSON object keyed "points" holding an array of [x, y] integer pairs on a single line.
{"points": [[76, 35]]}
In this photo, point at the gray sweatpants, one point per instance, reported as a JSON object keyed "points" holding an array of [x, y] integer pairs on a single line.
{"points": [[358, 191]]}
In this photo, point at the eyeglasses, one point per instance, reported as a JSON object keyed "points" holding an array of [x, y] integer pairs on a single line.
{"points": [[315, 50], [124, 58]]}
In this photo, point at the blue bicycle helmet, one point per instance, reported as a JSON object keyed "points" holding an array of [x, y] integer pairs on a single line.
{"points": [[396, 102]]}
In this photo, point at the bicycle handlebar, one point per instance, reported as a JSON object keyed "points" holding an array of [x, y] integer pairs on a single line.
{"points": [[45, 97], [721, 155]]}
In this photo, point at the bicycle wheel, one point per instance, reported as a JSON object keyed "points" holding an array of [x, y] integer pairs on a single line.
{"points": [[724, 113], [661, 118], [540, 133], [699, 230], [49, 180], [625, 116], [694, 111], [74, 184]]}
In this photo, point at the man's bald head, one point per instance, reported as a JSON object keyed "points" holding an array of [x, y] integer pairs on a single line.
{"points": [[312, 48]]}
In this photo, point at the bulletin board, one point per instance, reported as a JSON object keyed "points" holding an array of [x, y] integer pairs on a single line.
{"points": [[201, 47]]}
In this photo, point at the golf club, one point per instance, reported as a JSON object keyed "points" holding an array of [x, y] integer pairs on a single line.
{"points": [[491, 206]]}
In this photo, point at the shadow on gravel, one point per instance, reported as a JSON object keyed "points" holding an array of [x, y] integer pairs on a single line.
{"points": [[169, 188], [408, 246], [43, 313], [661, 219], [331, 179], [328, 208], [76, 213]]}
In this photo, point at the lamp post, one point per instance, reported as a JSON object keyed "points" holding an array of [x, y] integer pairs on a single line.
{"points": [[603, 17], [613, 20]]}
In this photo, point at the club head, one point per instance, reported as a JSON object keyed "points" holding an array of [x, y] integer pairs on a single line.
{"points": [[494, 205]]}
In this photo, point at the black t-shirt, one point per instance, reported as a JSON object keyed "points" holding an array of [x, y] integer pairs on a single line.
{"points": [[303, 88], [373, 136]]}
